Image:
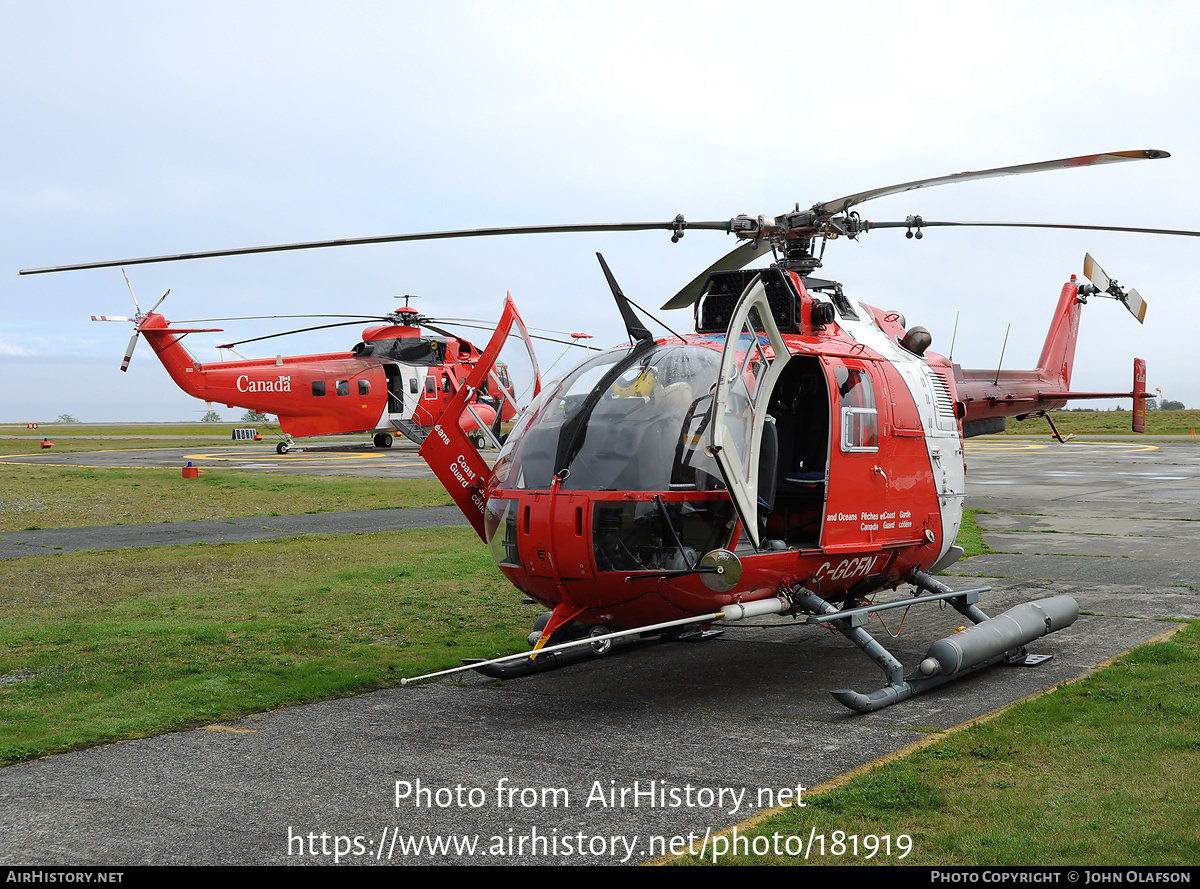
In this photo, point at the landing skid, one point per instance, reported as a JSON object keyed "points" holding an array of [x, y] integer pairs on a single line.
{"points": [[580, 633], [544, 661], [990, 641]]}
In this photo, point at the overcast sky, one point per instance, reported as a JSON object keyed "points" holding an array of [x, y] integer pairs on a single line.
{"points": [[135, 129]]}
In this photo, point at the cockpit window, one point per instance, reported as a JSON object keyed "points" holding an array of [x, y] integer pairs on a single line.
{"points": [[643, 432]]}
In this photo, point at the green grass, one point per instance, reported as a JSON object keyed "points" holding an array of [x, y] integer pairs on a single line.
{"points": [[1105, 771], [67, 496], [1107, 423], [970, 536], [97, 647], [77, 437]]}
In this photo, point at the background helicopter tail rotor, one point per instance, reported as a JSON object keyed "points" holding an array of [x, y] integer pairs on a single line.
{"points": [[1107, 286], [136, 319]]}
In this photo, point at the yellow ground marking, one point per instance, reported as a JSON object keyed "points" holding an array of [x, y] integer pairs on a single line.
{"points": [[278, 458], [1079, 447]]}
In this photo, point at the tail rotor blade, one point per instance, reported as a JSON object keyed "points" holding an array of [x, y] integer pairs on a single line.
{"points": [[1108, 287], [129, 352], [1136, 305], [1095, 274], [131, 293], [160, 301]]}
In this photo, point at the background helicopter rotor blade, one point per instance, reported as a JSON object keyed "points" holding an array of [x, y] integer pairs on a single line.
{"points": [[839, 205], [277, 317], [1095, 274], [483, 325], [1136, 305], [160, 301], [487, 326], [1132, 299], [359, 319], [131, 293], [271, 336], [129, 352], [737, 258]]}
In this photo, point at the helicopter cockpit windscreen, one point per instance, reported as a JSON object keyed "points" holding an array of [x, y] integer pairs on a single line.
{"points": [[627, 420]]}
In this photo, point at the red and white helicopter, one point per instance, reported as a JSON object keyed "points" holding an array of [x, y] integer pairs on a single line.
{"points": [[398, 379], [798, 452]]}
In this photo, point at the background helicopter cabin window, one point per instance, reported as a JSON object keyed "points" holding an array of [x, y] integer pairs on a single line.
{"points": [[860, 420], [343, 387], [364, 387], [319, 388]]}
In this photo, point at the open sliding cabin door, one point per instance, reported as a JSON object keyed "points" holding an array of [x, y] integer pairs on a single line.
{"points": [[754, 357]]}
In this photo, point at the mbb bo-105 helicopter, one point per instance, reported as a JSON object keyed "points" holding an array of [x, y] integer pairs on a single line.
{"points": [[396, 380], [797, 453]]}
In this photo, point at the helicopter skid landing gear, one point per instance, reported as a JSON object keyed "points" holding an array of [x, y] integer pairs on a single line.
{"points": [[990, 641], [549, 660]]}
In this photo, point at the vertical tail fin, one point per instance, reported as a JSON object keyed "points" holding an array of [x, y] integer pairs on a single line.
{"points": [[1139, 395], [1058, 353]]}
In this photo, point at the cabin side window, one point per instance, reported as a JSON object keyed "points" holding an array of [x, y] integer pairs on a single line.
{"points": [[364, 387], [343, 387], [860, 420], [319, 388]]}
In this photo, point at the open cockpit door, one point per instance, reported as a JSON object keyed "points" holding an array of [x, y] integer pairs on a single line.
{"points": [[754, 357], [449, 450]]}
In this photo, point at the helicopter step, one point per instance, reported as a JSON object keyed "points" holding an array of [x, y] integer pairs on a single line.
{"points": [[412, 431], [991, 641]]}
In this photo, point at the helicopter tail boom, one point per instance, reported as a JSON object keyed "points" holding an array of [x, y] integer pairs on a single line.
{"points": [[989, 397]]}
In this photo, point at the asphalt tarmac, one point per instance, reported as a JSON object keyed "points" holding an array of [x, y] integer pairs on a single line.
{"points": [[320, 458], [698, 736]]}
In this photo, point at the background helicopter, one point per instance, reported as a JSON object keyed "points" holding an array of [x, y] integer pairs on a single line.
{"points": [[797, 453], [396, 380]]}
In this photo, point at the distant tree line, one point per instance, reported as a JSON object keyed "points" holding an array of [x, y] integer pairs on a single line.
{"points": [[1152, 404]]}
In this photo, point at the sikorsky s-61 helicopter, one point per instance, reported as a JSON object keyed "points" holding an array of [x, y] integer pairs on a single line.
{"points": [[798, 452], [396, 380]]}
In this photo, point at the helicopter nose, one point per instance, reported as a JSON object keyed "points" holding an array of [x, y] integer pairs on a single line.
{"points": [[543, 535]]}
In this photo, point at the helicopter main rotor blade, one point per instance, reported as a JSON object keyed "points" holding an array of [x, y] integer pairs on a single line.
{"points": [[271, 336], [917, 223], [829, 208], [492, 326], [739, 257], [276, 317], [483, 325], [676, 225]]}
